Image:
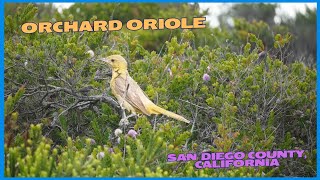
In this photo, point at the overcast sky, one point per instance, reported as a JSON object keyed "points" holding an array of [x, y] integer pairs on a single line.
{"points": [[288, 9]]}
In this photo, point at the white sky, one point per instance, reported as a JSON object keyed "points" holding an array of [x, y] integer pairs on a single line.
{"points": [[215, 9], [288, 9]]}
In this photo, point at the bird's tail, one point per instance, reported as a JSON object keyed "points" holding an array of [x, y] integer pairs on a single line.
{"points": [[158, 110]]}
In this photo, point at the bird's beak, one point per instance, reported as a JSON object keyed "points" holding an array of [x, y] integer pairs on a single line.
{"points": [[107, 60]]}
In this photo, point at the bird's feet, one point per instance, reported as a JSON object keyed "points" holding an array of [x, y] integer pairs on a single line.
{"points": [[124, 121]]}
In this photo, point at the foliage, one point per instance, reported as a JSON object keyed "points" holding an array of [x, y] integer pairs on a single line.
{"points": [[252, 11], [131, 157], [261, 21], [150, 40], [304, 29], [251, 101]]}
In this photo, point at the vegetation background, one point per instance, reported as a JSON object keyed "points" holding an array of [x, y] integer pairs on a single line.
{"points": [[245, 87]]}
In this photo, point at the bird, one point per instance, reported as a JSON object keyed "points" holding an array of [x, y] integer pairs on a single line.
{"points": [[129, 94]]}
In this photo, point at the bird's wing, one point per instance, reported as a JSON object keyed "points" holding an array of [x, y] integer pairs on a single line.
{"points": [[127, 88]]}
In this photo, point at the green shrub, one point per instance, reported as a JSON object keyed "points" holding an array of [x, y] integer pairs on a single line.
{"points": [[249, 103]]}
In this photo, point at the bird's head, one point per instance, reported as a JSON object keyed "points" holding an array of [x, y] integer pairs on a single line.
{"points": [[116, 62]]}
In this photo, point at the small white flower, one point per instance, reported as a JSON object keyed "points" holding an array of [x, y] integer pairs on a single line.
{"points": [[170, 72], [117, 132], [208, 68], [124, 122], [91, 53], [100, 155]]}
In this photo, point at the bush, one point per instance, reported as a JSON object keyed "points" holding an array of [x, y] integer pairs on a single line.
{"points": [[247, 101]]}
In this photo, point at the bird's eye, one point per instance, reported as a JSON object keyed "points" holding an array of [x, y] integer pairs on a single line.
{"points": [[112, 60]]}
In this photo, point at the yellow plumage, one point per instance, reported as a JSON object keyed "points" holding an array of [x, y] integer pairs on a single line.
{"points": [[128, 92]]}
